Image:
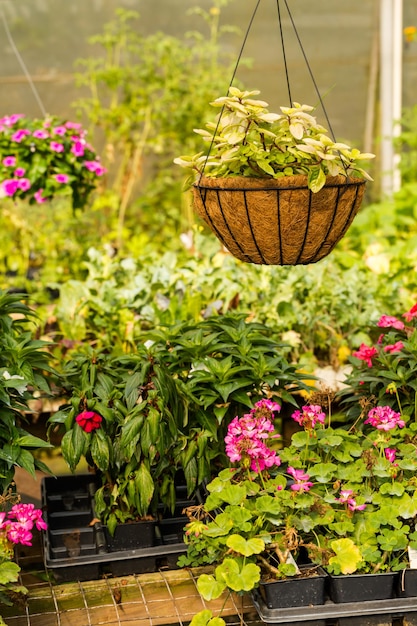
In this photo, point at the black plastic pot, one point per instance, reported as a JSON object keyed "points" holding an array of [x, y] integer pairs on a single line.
{"points": [[407, 583], [362, 587], [78, 547], [308, 589]]}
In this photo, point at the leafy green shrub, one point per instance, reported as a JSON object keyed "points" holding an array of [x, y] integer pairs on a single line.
{"points": [[165, 407], [24, 372]]}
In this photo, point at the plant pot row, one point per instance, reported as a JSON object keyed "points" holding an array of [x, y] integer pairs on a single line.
{"points": [[315, 587], [78, 547]]}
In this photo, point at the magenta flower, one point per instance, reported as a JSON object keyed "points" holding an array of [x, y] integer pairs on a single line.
{"points": [[388, 321], [24, 184], [19, 171], [56, 147], [390, 454], [10, 120], [61, 178], [19, 135], [95, 166], [78, 148], [9, 161], [73, 125], [365, 353], [302, 482], [39, 197], [40, 134], [395, 347], [17, 533], [309, 416], [10, 186], [353, 506], [384, 418], [345, 495]]}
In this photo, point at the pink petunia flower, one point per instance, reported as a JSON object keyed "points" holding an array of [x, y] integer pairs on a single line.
{"points": [[40, 134], [19, 135], [24, 184], [19, 172], [61, 178], [39, 197], [56, 147], [78, 148], [365, 353], [10, 186], [59, 130], [9, 161]]}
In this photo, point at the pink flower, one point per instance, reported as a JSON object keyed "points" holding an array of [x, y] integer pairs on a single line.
{"points": [[10, 186], [89, 421], [388, 321], [59, 130], [9, 161], [365, 353], [40, 134], [19, 171], [345, 495], [352, 506], [17, 533], [56, 147], [390, 454], [73, 125], [395, 347], [19, 135], [24, 184], [309, 416], [95, 166], [61, 178], [39, 197], [78, 148], [302, 482], [384, 418], [411, 314], [11, 119]]}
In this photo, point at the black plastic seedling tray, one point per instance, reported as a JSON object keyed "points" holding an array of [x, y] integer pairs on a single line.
{"points": [[76, 547]]}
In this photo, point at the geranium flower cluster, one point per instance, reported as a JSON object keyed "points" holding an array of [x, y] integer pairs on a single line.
{"points": [[40, 159], [245, 439], [18, 523], [309, 416]]}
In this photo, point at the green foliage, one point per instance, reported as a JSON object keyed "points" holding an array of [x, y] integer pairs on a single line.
{"points": [[166, 407], [145, 93], [24, 372], [248, 140]]}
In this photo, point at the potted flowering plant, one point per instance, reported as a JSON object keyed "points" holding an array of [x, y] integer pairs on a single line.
{"points": [[268, 173], [41, 159], [340, 498], [17, 524]]}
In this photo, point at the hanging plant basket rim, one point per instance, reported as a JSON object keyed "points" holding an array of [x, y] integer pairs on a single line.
{"points": [[284, 183]]}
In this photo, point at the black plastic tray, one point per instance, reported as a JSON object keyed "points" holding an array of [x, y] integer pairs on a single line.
{"points": [[331, 611], [76, 550]]}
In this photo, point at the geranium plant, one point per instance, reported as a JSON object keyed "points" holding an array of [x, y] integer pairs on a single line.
{"points": [[17, 524], [248, 140], [339, 497], [44, 158]]}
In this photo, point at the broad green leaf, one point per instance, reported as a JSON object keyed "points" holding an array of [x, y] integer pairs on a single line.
{"points": [[348, 556], [209, 587], [247, 547]]}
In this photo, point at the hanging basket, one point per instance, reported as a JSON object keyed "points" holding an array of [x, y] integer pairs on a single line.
{"points": [[278, 221]]}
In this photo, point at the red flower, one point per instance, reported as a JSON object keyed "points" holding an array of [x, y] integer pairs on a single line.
{"points": [[411, 313], [89, 421], [365, 353]]}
